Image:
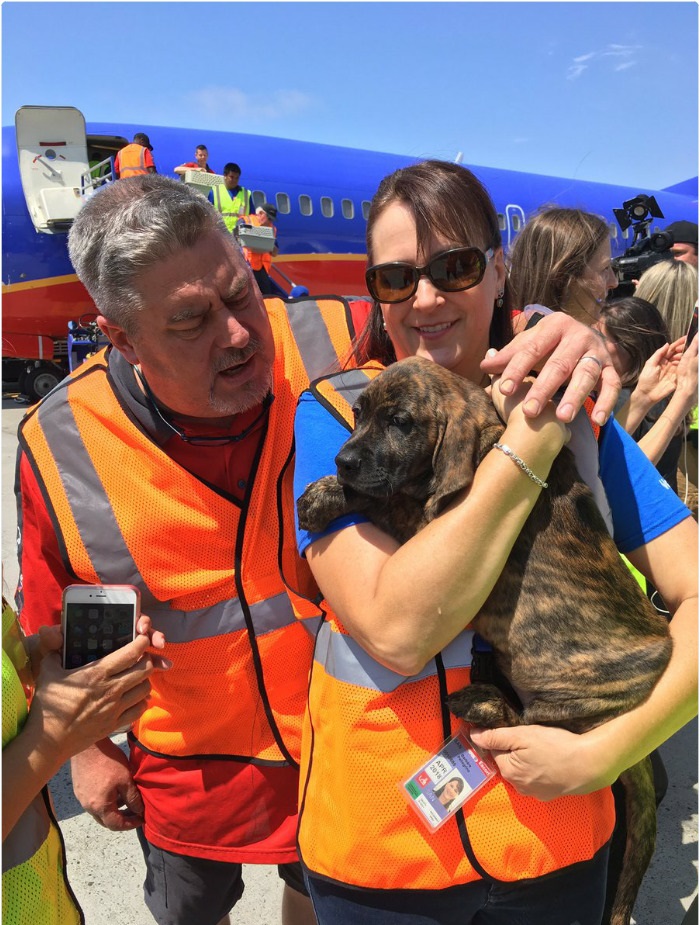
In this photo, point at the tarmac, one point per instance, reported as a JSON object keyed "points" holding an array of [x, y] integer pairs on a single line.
{"points": [[106, 868]]}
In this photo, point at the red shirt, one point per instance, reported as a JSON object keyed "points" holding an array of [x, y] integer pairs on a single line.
{"points": [[218, 809]]}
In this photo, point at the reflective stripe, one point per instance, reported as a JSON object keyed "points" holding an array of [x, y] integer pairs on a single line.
{"points": [[27, 837], [222, 618], [88, 501], [312, 337], [345, 660]]}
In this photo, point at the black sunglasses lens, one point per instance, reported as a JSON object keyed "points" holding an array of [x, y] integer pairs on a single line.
{"points": [[391, 283], [457, 269]]}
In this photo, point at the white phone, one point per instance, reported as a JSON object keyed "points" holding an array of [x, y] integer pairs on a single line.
{"points": [[97, 620]]}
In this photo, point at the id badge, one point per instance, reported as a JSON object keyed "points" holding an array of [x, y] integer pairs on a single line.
{"points": [[447, 780]]}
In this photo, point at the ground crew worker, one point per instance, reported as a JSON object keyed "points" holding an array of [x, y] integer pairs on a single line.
{"points": [[261, 261], [231, 199], [135, 159], [200, 164]]}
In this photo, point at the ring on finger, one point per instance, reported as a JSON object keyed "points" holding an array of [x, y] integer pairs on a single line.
{"points": [[595, 360]]}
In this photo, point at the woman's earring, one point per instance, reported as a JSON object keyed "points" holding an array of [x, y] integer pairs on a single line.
{"points": [[384, 324], [499, 299]]}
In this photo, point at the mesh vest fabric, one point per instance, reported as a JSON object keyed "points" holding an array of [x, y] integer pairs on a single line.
{"points": [[208, 571]]}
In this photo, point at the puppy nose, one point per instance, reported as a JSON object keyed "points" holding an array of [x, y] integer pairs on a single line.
{"points": [[347, 461]]}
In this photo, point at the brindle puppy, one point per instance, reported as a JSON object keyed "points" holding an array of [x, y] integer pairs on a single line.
{"points": [[571, 630]]}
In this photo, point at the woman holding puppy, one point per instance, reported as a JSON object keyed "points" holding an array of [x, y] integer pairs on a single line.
{"points": [[531, 845]]}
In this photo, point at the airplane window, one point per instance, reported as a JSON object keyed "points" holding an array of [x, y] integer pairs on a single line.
{"points": [[515, 220], [613, 230], [626, 233], [501, 221], [305, 205], [283, 204], [365, 208], [326, 207], [258, 197], [348, 208]]}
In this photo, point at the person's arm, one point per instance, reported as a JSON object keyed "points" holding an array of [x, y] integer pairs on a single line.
{"points": [[556, 346], [183, 168], [71, 710], [656, 381], [653, 444], [414, 599]]}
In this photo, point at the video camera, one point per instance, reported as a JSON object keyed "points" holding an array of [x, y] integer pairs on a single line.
{"points": [[646, 249]]}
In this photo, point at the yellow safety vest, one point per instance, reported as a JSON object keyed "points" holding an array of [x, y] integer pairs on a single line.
{"points": [[35, 890], [231, 209]]}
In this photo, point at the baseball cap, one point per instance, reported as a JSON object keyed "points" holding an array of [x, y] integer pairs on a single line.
{"points": [[141, 138], [269, 210], [683, 232]]}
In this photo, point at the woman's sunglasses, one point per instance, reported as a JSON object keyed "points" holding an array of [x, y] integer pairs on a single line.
{"points": [[453, 270]]}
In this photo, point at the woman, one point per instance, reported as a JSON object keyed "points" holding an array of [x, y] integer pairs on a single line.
{"points": [[672, 286], [634, 330], [395, 641], [449, 791], [561, 259]]}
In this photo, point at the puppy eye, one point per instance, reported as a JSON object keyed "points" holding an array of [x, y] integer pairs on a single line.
{"points": [[404, 422]]}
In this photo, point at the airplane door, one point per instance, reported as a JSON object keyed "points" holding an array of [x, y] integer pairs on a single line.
{"points": [[515, 219], [52, 152]]}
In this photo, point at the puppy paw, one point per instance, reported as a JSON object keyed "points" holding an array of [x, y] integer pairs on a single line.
{"points": [[321, 502], [483, 705]]}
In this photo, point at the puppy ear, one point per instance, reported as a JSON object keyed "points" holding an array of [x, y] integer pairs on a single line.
{"points": [[468, 433]]}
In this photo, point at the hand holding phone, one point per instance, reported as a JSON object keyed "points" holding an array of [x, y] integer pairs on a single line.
{"points": [[97, 620]]}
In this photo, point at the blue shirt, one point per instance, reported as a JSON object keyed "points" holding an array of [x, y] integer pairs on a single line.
{"points": [[642, 504]]}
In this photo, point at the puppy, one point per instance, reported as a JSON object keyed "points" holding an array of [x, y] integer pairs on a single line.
{"points": [[571, 630]]}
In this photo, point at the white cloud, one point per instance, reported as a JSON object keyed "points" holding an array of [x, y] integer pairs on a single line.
{"points": [[232, 104], [581, 63]]}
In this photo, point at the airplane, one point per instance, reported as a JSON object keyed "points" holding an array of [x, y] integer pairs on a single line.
{"points": [[52, 159]]}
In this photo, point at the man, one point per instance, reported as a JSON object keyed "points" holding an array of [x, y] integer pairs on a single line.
{"points": [[231, 199], [685, 241], [165, 463], [135, 159], [199, 164], [261, 261]]}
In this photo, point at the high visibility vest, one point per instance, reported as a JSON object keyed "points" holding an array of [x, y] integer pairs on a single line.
{"points": [[208, 567], [368, 729], [34, 886], [231, 209], [132, 161], [256, 259]]}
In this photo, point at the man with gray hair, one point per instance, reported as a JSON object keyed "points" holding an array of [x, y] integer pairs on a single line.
{"points": [[163, 462]]}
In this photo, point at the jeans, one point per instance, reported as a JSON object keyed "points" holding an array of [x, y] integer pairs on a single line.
{"points": [[572, 896]]}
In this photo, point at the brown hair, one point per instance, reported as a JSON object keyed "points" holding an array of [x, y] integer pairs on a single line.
{"points": [[448, 199], [551, 253]]}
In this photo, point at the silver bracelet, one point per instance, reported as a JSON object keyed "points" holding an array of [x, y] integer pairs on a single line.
{"points": [[520, 462]]}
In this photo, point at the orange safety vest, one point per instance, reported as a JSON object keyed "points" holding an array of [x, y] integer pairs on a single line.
{"points": [[256, 259], [208, 568], [368, 729], [132, 161]]}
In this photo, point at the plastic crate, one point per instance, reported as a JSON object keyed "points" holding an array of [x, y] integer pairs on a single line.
{"points": [[202, 182], [257, 238]]}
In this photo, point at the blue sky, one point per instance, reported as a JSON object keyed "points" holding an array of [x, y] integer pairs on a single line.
{"points": [[600, 91]]}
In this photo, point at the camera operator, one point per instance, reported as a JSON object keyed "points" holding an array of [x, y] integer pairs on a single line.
{"points": [[685, 242]]}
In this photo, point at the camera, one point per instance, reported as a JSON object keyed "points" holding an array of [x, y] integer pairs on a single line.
{"points": [[646, 249]]}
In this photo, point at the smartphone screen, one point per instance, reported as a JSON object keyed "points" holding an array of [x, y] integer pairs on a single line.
{"points": [[97, 620], [692, 329]]}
